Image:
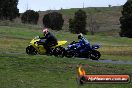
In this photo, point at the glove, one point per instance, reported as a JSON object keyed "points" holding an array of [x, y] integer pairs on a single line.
{"points": [[37, 37]]}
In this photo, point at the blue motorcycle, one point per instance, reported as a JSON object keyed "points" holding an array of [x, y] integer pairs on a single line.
{"points": [[83, 49]]}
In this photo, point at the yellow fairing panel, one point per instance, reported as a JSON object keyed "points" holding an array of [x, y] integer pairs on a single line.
{"points": [[61, 43]]}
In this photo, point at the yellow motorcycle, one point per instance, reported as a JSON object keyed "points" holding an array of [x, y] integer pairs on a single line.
{"points": [[38, 48]]}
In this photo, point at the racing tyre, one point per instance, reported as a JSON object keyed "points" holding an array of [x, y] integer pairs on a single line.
{"points": [[30, 50], [95, 55], [69, 53], [59, 52]]}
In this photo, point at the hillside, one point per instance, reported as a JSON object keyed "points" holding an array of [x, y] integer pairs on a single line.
{"points": [[106, 17]]}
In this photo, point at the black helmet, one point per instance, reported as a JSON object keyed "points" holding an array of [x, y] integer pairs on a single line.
{"points": [[80, 36]]}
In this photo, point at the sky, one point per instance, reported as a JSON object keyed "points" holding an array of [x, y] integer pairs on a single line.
{"points": [[42, 5]]}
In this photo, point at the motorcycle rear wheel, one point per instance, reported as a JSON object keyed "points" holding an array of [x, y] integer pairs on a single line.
{"points": [[30, 50], [59, 51]]}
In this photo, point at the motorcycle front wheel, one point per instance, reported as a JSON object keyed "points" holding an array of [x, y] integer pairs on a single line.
{"points": [[30, 50], [94, 55]]}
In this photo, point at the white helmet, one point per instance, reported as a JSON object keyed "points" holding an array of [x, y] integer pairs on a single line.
{"points": [[45, 31]]}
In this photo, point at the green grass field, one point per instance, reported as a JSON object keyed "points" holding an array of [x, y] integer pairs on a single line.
{"points": [[19, 70]]}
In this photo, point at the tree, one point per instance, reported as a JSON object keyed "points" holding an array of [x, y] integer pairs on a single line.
{"points": [[30, 17], [53, 20], [126, 20], [8, 9], [78, 24]]}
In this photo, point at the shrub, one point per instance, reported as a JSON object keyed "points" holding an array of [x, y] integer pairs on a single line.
{"points": [[30, 17], [53, 20], [8, 9], [78, 24]]}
